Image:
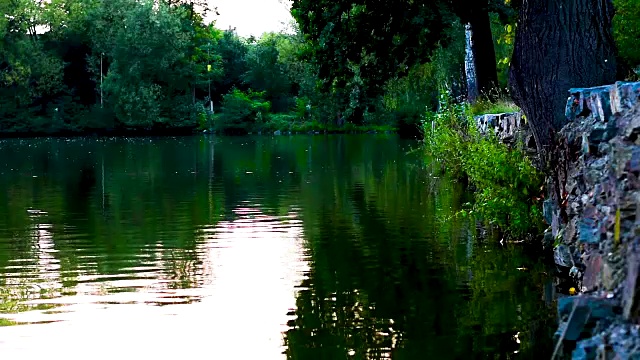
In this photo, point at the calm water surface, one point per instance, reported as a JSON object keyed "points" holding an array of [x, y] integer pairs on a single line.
{"points": [[304, 247]]}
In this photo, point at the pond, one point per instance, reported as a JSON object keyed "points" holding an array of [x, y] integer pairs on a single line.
{"points": [[292, 247]]}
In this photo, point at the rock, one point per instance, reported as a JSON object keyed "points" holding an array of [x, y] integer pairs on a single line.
{"points": [[570, 229], [591, 277], [631, 295], [548, 240], [601, 216], [277, 133], [602, 132], [600, 104], [576, 323], [588, 349], [555, 223], [629, 123], [604, 148], [589, 232], [562, 256], [624, 96], [634, 160], [599, 308], [547, 210], [607, 276], [594, 101], [575, 273]]}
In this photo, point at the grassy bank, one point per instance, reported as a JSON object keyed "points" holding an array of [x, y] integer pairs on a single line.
{"points": [[505, 183], [286, 123], [269, 127]]}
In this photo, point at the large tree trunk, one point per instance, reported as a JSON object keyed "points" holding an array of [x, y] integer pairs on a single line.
{"points": [[484, 54], [560, 44], [482, 73]]}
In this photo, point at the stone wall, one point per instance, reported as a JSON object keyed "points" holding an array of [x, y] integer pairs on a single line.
{"points": [[510, 128], [595, 228]]}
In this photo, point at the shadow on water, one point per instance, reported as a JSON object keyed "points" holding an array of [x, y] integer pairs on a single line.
{"points": [[343, 246]]}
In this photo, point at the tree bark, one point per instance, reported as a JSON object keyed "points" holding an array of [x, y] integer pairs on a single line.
{"points": [[484, 54], [560, 44], [470, 66]]}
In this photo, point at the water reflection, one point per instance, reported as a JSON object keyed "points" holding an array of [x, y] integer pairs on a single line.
{"points": [[320, 247], [254, 265], [243, 282]]}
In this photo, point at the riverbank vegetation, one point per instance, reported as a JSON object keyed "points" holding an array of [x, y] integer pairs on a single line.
{"points": [[507, 186]]}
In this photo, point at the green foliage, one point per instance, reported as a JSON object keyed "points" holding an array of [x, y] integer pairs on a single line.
{"points": [[355, 56], [407, 98], [626, 26], [282, 122], [504, 35], [243, 112], [233, 51], [267, 71], [501, 105], [505, 180], [144, 64], [148, 65]]}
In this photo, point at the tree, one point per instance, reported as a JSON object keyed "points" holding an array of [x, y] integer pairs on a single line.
{"points": [[266, 72], [559, 45], [194, 7], [233, 51], [359, 45], [476, 14], [30, 75], [150, 76]]}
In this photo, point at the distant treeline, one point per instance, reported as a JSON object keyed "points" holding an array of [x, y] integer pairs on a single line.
{"points": [[69, 66]]}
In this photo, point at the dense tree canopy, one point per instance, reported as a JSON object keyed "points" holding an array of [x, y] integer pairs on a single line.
{"points": [[365, 44], [123, 65], [382, 39]]}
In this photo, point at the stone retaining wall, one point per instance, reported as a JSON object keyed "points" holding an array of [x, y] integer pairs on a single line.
{"points": [[510, 128], [595, 225]]}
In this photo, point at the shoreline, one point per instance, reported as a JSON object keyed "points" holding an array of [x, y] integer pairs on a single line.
{"points": [[593, 234], [594, 225], [184, 132]]}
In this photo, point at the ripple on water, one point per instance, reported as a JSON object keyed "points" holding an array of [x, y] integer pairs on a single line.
{"points": [[175, 248], [214, 283]]}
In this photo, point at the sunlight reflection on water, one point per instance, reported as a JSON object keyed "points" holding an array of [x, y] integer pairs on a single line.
{"points": [[245, 286]]}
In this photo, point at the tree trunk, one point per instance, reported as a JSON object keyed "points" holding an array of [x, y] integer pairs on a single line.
{"points": [[470, 66], [560, 44], [484, 54]]}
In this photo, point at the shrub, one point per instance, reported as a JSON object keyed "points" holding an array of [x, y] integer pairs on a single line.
{"points": [[626, 29], [279, 122], [242, 112], [506, 182]]}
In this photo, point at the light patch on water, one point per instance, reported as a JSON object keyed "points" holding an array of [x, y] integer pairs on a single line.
{"points": [[246, 284], [254, 266]]}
